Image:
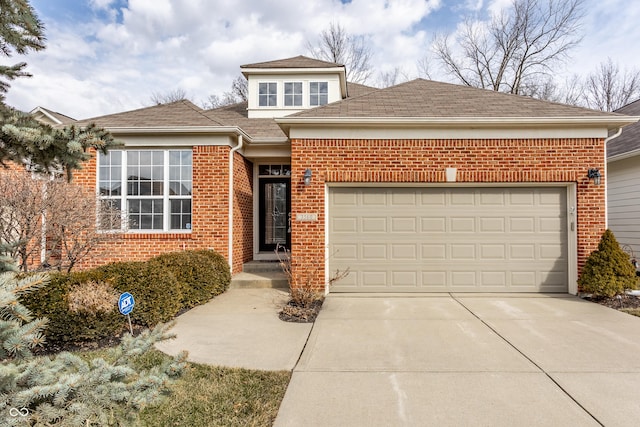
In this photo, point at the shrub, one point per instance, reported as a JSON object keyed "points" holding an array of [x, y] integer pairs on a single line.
{"points": [[608, 270], [200, 274], [155, 289], [222, 273], [78, 308]]}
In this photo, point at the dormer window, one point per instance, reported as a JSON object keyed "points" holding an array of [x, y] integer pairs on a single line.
{"points": [[318, 93], [268, 94], [293, 94]]}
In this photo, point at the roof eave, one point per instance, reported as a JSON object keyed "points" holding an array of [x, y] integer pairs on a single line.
{"points": [[610, 122], [180, 130]]}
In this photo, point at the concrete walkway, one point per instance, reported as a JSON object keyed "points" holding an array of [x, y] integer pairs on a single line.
{"points": [[240, 328], [463, 360]]}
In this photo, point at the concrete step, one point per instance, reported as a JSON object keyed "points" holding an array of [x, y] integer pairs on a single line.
{"points": [[268, 279], [262, 267]]}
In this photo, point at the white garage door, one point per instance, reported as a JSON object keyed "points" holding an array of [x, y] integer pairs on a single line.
{"points": [[463, 239]]}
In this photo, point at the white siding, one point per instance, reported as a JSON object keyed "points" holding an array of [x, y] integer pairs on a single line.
{"points": [[623, 202]]}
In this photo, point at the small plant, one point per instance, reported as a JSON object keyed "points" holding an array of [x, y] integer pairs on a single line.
{"points": [[306, 299], [92, 297], [608, 270]]}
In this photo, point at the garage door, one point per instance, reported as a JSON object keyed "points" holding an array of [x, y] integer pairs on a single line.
{"points": [[462, 239]]}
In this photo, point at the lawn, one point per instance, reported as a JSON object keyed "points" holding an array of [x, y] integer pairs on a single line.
{"points": [[211, 396]]}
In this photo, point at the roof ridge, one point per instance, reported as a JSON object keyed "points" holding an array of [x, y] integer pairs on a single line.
{"points": [[199, 111]]}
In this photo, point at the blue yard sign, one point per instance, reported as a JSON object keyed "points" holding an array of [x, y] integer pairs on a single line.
{"points": [[126, 303]]}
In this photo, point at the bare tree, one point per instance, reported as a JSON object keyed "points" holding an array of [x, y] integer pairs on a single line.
{"points": [[159, 98], [609, 88], [517, 49], [392, 78], [40, 213], [336, 45], [238, 93], [240, 88]]}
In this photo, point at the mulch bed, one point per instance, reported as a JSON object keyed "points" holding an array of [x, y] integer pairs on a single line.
{"points": [[57, 347], [619, 302], [307, 313]]}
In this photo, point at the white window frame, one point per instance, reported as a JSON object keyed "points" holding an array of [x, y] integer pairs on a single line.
{"points": [[318, 93], [268, 94], [293, 94], [166, 198]]}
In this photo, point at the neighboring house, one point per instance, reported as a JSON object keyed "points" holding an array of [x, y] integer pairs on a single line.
{"points": [[623, 183], [419, 187], [51, 118]]}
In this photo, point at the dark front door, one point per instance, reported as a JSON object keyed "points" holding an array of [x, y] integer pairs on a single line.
{"points": [[275, 213]]}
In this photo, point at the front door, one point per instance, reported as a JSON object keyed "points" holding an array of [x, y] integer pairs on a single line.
{"points": [[275, 213]]}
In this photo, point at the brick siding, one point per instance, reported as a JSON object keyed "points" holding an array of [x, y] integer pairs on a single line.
{"points": [[242, 211], [210, 213], [424, 161]]}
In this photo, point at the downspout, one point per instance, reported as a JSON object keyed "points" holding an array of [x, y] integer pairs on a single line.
{"points": [[230, 246], [606, 181]]}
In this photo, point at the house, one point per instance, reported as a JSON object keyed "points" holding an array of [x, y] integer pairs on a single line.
{"points": [[51, 118], [420, 187], [623, 182]]}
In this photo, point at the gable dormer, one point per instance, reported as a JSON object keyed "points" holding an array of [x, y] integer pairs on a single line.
{"points": [[286, 86]]}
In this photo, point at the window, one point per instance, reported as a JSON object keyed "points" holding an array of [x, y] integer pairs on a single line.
{"points": [[293, 94], [318, 93], [158, 188], [268, 94]]}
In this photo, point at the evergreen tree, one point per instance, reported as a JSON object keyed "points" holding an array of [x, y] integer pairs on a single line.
{"points": [[23, 139], [608, 270]]}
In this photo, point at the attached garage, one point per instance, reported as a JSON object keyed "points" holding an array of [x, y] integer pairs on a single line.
{"points": [[449, 238]]}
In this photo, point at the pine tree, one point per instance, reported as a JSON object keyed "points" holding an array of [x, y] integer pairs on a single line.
{"points": [[608, 270], [65, 389], [23, 139]]}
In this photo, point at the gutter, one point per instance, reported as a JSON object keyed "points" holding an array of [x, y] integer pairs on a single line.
{"points": [[606, 181], [230, 222]]}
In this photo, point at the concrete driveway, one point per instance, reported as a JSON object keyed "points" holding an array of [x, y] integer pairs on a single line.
{"points": [[462, 360]]}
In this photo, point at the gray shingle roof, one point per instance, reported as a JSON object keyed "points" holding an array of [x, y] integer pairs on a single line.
{"points": [[175, 114], [629, 140], [357, 89], [426, 98], [295, 62], [236, 115]]}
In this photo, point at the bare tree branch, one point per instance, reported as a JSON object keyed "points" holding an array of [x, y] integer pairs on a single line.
{"points": [[158, 98], [515, 51], [609, 88], [336, 45]]}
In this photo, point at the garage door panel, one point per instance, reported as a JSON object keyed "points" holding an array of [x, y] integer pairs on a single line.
{"points": [[452, 239]]}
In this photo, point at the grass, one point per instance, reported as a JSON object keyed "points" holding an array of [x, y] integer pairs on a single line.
{"points": [[210, 396], [632, 311]]}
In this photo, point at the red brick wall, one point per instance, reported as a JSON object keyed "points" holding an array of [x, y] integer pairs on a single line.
{"points": [[242, 211], [405, 161], [210, 212]]}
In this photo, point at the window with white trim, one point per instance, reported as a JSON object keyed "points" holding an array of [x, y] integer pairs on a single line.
{"points": [[152, 188], [318, 93], [268, 94], [293, 94]]}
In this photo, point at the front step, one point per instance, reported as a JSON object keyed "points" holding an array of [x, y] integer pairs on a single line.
{"points": [[262, 267], [259, 280]]}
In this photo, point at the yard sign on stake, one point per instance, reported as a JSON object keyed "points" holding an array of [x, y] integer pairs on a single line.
{"points": [[125, 305]]}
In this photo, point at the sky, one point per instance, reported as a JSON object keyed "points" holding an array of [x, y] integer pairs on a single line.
{"points": [[106, 56]]}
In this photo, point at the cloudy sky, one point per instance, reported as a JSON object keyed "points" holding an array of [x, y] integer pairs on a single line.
{"points": [[106, 56]]}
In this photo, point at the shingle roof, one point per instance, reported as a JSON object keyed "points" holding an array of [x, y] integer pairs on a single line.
{"points": [[426, 98], [59, 116], [236, 115], [629, 140], [295, 62], [356, 89], [179, 114]]}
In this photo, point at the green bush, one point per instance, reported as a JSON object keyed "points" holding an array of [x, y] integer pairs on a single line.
{"points": [[608, 270], [222, 274], [200, 273], [154, 288], [99, 318]]}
